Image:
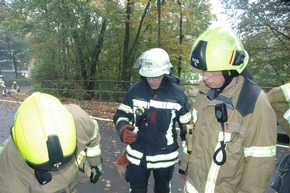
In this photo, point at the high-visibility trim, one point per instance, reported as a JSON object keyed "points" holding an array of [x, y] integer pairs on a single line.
{"points": [[2, 147], [169, 134], [163, 160], [224, 136], [133, 160], [185, 118], [161, 164], [213, 172], [96, 131], [133, 152], [140, 103], [165, 105], [286, 91], [93, 151], [162, 157], [125, 119], [157, 104], [287, 115], [188, 188], [127, 109], [264, 151]]}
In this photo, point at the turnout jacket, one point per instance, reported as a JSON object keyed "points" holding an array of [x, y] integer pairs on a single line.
{"points": [[17, 176], [279, 98], [249, 136], [156, 145]]}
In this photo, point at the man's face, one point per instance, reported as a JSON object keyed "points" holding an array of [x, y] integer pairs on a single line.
{"points": [[154, 82], [213, 79]]}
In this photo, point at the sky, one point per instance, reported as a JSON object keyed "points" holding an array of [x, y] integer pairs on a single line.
{"points": [[216, 8]]}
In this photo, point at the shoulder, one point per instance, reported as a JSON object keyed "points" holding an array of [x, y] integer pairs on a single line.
{"points": [[82, 119], [248, 96], [138, 85]]}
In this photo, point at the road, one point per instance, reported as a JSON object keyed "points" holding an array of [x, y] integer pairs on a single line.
{"points": [[112, 148]]}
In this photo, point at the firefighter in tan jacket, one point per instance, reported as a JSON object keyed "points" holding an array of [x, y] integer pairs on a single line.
{"points": [[52, 148], [234, 140], [279, 98]]}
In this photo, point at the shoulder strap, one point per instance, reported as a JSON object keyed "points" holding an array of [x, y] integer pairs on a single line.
{"points": [[248, 97]]}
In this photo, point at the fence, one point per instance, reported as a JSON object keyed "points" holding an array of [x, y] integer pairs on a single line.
{"points": [[104, 90]]}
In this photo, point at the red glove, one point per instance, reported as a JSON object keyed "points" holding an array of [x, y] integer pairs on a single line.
{"points": [[127, 135]]}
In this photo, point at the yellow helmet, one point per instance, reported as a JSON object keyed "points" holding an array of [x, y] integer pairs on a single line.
{"points": [[44, 132], [218, 49]]}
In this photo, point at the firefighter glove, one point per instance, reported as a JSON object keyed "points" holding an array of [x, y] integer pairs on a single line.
{"points": [[95, 174], [127, 135]]}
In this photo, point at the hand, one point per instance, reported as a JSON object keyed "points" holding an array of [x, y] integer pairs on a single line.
{"points": [[95, 174], [127, 135], [182, 175]]}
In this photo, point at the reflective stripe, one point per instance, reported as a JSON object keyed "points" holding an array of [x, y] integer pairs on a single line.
{"points": [[213, 172], [133, 160], [161, 164], [93, 151], [224, 136], [162, 157], [188, 188], [185, 118], [140, 103], [157, 104], [267, 151], [127, 109], [287, 115], [133, 152], [96, 131], [169, 134], [286, 91], [165, 105], [2, 147], [122, 119]]}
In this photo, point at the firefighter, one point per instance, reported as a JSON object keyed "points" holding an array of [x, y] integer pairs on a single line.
{"points": [[52, 147], [234, 140], [279, 98], [146, 121], [15, 87]]}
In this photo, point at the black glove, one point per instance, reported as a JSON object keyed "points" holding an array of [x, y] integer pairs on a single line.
{"points": [[95, 174]]}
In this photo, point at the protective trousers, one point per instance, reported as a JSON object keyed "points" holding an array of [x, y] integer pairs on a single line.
{"points": [[281, 183], [138, 178]]}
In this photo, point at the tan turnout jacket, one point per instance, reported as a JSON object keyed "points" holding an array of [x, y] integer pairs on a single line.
{"points": [[250, 138], [17, 177]]}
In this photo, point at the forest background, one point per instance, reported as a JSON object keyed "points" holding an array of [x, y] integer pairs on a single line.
{"points": [[91, 40]]}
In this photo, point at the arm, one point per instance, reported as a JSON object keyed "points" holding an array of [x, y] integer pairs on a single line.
{"points": [[259, 147], [122, 118]]}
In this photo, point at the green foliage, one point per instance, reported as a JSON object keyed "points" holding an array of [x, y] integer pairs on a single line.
{"points": [[84, 39], [264, 28]]}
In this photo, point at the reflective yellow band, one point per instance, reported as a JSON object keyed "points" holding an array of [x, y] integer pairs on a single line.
{"points": [[213, 172], [125, 108], [267, 151], [286, 91], [188, 188], [94, 151], [185, 118], [80, 158]]}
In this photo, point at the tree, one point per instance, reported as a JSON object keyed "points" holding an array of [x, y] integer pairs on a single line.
{"points": [[264, 28]]}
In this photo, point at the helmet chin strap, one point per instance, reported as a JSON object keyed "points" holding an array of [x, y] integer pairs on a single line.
{"points": [[228, 76]]}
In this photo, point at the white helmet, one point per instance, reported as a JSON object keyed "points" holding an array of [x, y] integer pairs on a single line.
{"points": [[154, 62]]}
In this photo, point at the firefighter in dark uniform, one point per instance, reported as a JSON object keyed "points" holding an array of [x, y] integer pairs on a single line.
{"points": [[146, 121], [52, 148]]}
